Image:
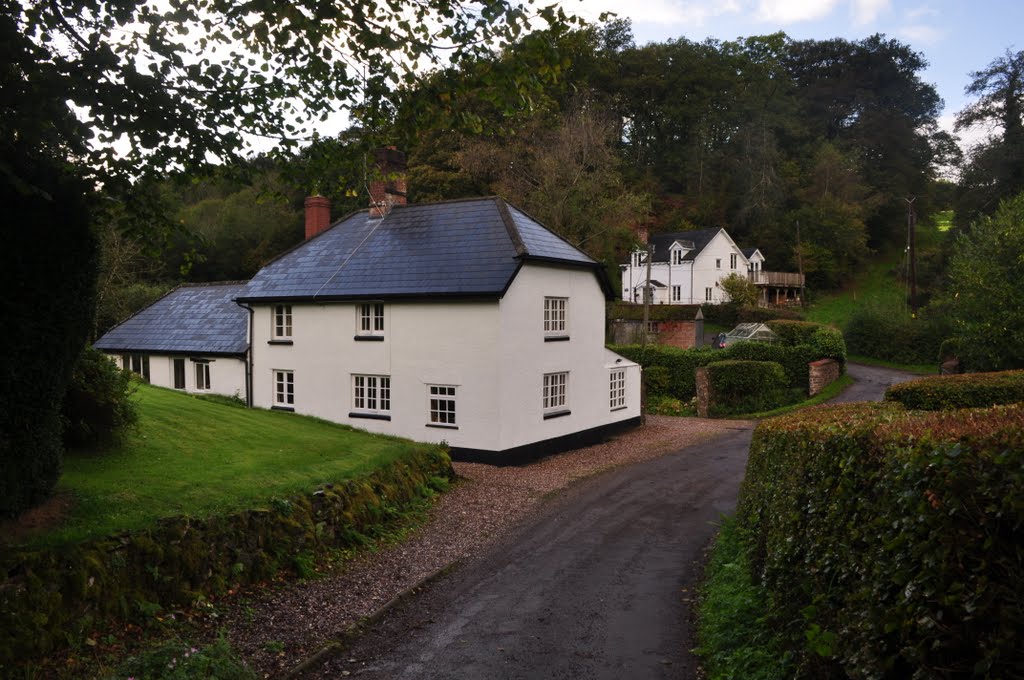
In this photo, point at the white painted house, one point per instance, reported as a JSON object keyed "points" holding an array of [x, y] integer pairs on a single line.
{"points": [[193, 339], [687, 267], [462, 321]]}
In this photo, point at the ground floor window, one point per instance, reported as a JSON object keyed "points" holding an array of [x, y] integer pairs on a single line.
{"points": [[202, 375], [442, 404], [178, 366], [617, 385], [138, 364], [284, 388], [371, 394], [707, 295], [556, 388]]}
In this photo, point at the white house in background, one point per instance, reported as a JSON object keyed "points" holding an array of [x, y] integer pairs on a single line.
{"points": [[193, 339], [463, 321], [687, 267]]}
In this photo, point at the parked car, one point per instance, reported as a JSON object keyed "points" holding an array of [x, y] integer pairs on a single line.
{"points": [[748, 332]]}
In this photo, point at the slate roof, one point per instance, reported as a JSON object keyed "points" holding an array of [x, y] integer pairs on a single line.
{"points": [[662, 242], [191, 319], [470, 247], [749, 252]]}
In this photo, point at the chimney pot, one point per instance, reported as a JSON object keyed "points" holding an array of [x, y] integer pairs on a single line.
{"points": [[318, 215]]}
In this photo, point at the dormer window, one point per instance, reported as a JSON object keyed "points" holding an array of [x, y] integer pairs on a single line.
{"points": [[677, 256], [639, 258]]}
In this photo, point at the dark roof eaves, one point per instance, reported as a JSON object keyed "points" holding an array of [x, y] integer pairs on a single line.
{"points": [[174, 352], [454, 295]]}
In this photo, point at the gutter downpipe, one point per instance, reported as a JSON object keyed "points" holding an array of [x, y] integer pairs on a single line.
{"points": [[248, 354]]}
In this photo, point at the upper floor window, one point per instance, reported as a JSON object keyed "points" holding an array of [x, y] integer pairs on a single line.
{"points": [[370, 321], [639, 258], [707, 295], [555, 316], [732, 261], [282, 322], [677, 256], [718, 263], [617, 389]]}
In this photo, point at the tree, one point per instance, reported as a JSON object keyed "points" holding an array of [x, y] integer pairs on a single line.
{"points": [[740, 290], [995, 169], [100, 95], [986, 277]]}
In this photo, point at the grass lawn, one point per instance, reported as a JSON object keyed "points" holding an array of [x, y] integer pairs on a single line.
{"points": [[195, 457]]}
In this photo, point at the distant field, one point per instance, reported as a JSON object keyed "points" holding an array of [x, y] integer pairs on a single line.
{"points": [[194, 457], [879, 284]]}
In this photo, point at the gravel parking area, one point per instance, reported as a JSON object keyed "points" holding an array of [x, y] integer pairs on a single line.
{"points": [[276, 631]]}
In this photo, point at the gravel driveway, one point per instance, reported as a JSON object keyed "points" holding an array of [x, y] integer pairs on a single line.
{"points": [[484, 506]]}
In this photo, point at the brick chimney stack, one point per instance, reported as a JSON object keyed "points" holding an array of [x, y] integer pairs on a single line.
{"points": [[318, 215], [642, 234], [388, 187]]}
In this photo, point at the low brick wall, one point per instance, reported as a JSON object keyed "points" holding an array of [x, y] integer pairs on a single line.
{"points": [[823, 373], [682, 334]]}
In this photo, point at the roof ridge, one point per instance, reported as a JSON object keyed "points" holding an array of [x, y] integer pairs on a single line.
{"points": [[549, 229], [510, 226], [200, 284]]}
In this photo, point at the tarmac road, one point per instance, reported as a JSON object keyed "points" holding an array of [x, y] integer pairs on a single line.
{"points": [[597, 585]]}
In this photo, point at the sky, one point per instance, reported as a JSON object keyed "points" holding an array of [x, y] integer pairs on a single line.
{"points": [[956, 37]]}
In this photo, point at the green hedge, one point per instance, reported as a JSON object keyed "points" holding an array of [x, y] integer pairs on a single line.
{"points": [[793, 332], [890, 542], [49, 597], [882, 334], [97, 406], [745, 386], [972, 390], [681, 364]]}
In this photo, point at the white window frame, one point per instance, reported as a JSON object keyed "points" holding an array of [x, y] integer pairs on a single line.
{"points": [[677, 293], [202, 375], [281, 322], [555, 393], [371, 394], [707, 294], [370, 319], [556, 316], [639, 258], [617, 389], [677, 256], [718, 263], [732, 261], [284, 388], [442, 406]]}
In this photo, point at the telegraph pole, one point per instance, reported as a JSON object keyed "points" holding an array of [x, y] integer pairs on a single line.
{"points": [[648, 293], [911, 243]]}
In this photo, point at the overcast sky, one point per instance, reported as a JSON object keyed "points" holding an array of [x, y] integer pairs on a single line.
{"points": [[955, 36]]}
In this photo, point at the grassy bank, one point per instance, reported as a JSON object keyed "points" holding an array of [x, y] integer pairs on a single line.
{"points": [[198, 458]]}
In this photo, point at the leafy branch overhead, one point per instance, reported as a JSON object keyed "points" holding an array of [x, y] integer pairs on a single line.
{"points": [[185, 84]]}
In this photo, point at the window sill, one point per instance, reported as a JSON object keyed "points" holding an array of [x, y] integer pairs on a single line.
{"points": [[557, 414], [280, 342], [368, 338], [556, 338], [442, 426], [289, 409], [368, 416], [620, 408]]}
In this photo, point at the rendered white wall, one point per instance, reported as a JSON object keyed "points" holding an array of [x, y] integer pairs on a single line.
{"points": [[493, 352], [526, 357], [227, 374]]}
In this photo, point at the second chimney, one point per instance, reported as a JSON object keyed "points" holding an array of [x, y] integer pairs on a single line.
{"points": [[318, 215], [389, 186]]}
